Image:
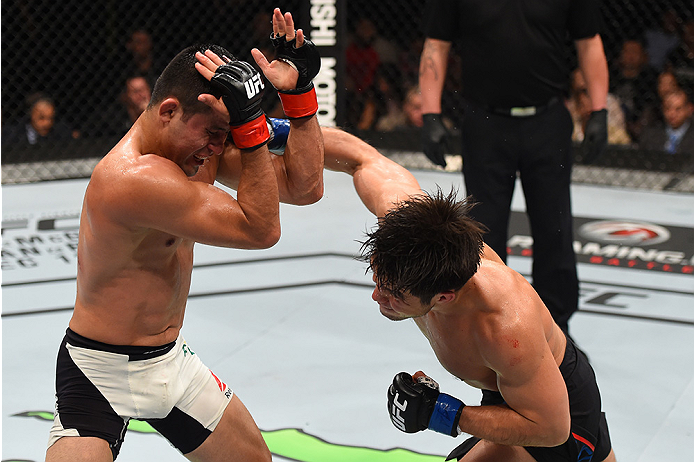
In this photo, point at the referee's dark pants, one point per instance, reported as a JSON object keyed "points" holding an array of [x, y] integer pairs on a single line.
{"points": [[495, 148]]}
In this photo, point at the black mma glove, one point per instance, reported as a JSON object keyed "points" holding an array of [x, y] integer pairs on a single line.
{"points": [[302, 101], [435, 138], [595, 136], [416, 406], [242, 90]]}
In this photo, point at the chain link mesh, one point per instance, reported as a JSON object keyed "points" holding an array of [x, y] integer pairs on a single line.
{"points": [[94, 60]]}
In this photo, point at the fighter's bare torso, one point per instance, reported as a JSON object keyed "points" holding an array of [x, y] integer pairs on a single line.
{"points": [[484, 327], [132, 281]]}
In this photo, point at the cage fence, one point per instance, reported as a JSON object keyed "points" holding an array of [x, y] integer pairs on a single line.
{"points": [[95, 62]]}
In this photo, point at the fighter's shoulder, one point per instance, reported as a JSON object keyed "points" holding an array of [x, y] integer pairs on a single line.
{"points": [[498, 279], [128, 168], [503, 298], [124, 184]]}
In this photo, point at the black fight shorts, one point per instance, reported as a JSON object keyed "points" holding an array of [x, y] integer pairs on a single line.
{"points": [[590, 438]]}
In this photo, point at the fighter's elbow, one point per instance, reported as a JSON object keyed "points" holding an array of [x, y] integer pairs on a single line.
{"points": [[308, 196], [315, 194], [267, 238], [557, 433]]}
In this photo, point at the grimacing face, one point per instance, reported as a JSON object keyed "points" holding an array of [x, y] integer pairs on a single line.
{"points": [[197, 138], [398, 308]]}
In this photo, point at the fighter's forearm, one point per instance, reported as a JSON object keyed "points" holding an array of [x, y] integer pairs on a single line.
{"points": [[303, 161], [258, 198], [501, 424]]}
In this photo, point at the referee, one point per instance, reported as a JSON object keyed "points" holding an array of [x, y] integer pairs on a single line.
{"points": [[515, 59]]}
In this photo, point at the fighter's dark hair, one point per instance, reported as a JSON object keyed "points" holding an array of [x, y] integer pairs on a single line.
{"points": [[182, 81], [427, 245]]}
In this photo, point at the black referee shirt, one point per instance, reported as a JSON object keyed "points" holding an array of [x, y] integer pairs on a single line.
{"points": [[514, 52]]}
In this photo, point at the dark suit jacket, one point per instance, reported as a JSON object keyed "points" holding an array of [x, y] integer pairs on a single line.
{"points": [[653, 139]]}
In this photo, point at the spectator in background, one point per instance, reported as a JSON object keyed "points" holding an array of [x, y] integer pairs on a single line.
{"points": [[664, 38], [135, 98], [676, 134], [261, 27], [361, 56], [363, 62], [388, 52], [633, 81], [409, 114], [117, 119], [383, 99], [40, 125], [667, 83], [578, 104], [403, 114], [142, 59], [681, 60], [412, 108]]}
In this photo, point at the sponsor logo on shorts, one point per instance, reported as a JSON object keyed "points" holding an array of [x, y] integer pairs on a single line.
{"points": [[222, 386], [186, 350]]}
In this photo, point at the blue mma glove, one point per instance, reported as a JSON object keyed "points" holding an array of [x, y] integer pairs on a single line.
{"points": [[279, 132]]}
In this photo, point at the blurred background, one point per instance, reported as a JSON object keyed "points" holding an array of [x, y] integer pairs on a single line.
{"points": [[76, 74]]}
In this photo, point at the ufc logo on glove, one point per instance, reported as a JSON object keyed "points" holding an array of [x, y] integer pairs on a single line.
{"points": [[253, 86], [422, 405], [395, 410]]}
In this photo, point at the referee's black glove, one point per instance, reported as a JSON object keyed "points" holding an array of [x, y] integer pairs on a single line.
{"points": [[435, 139], [595, 136]]}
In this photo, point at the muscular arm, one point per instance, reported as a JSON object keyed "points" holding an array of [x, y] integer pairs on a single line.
{"points": [[300, 169], [593, 65], [536, 412], [379, 181], [154, 193], [432, 74]]}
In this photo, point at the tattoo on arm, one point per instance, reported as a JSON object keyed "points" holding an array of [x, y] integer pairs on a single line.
{"points": [[427, 63]]}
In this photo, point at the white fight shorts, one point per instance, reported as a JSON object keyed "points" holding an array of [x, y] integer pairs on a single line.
{"points": [[100, 387]]}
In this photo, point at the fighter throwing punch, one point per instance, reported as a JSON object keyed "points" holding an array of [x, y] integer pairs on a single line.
{"points": [[148, 201], [484, 321], [489, 328]]}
